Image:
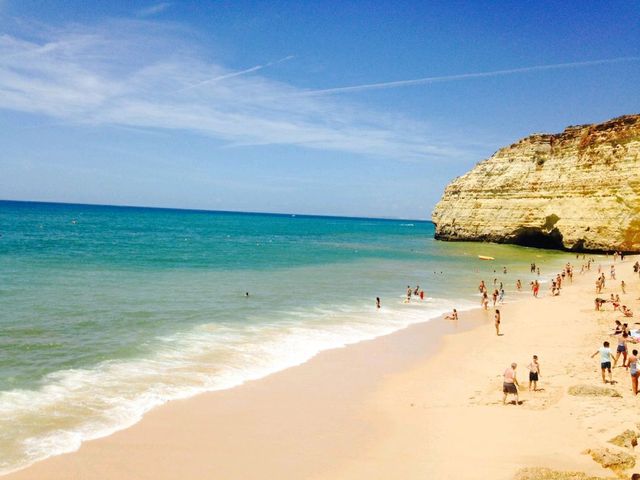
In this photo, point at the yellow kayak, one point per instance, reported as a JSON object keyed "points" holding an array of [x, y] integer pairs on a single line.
{"points": [[484, 257]]}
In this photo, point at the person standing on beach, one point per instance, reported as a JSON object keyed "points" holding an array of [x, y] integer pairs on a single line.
{"points": [[377, 302], [497, 322], [605, 360], [623, 286], [534, 373], [409, 292], [510, 384], [632, 365], [519, 285]]}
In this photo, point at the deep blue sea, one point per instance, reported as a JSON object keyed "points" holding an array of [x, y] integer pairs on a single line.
{"points": [[107, 312]]}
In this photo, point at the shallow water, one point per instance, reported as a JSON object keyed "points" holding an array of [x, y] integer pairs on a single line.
{"points": [[107, 312]]}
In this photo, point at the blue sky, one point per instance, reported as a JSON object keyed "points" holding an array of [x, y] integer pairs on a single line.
{"points": [[243, 106]]}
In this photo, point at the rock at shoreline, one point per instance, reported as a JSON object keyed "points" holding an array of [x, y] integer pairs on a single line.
{"points": [[548, 474], [628, 439], [616, 461], [577, 190], [592, 391]]}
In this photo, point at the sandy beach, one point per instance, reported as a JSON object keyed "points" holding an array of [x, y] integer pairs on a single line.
{"points": [[425, 402]]}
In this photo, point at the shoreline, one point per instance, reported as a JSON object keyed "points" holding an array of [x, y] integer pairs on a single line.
{"points": [[291, 421]]}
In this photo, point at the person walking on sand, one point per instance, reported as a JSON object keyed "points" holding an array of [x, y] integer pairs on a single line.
{"points": [[510, 383], [605, 360], [497, 322], [534, 373], [632, 365], [622, 349]]}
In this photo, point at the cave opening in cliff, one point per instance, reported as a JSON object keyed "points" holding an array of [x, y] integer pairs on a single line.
{"points": [[536, 237]]}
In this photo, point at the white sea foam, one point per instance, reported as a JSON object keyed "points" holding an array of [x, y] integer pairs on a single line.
{"points": [[76, 405]]}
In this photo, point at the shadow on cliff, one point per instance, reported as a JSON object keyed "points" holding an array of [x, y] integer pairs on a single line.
{"points": [[537, 237]]}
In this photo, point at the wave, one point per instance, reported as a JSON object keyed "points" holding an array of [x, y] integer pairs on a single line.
{"points": [[73, 406]]}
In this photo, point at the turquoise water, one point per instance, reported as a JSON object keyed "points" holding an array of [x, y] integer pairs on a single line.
{"points": [[107, 312]]}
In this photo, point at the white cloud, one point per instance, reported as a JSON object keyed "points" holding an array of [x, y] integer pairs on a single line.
{"points": [[153, 9], [143, 74]]}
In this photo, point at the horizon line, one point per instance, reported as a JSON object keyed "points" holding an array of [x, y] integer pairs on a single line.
{"points": [[205, 210]]}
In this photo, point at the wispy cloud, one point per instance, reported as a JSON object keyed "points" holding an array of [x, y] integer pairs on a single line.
{"points": [[237, 73], [464, 76], [144, 74], [153, 9]]}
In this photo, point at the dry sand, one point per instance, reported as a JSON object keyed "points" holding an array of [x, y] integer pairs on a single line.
{"points": [[420, 403]]}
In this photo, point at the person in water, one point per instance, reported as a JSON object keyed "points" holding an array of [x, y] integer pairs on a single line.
{"points": [[377, 302]]}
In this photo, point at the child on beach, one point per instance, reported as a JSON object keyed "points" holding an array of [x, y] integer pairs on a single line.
{"points": [[497, 322], [510, 383], [534, 373], [623, 286], [605, 360], [519, 285]]}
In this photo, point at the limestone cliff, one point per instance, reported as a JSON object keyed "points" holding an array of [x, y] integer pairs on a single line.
{"points": [[577, 190]]}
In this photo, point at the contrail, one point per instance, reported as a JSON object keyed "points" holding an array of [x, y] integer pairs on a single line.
{"points": [[236, 74], [462, 76]]}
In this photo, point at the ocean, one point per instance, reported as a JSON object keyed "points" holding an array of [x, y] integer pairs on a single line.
{"points": [[107, 312]]}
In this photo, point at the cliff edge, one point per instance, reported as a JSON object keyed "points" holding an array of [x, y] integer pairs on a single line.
{"points": [[577, 190]]}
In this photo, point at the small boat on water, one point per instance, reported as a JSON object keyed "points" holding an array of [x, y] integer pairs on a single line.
{"points": [[484, 257]]}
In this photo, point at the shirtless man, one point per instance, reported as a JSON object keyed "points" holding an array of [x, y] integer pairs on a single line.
{"points": [[534, 373], [510, 384]]}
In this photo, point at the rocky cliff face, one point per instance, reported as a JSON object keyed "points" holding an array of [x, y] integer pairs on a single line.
{"points": [[576, 190]]}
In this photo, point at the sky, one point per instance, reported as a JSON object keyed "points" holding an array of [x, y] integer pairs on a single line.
{"points": [[331, 108]]}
